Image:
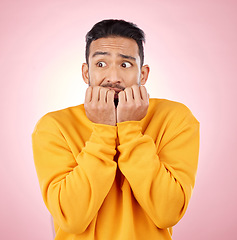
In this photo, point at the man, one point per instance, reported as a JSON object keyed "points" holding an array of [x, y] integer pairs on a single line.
{"points": [[121, 166]]}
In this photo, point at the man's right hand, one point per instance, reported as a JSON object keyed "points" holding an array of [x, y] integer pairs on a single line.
{"points": [[99, 105]]}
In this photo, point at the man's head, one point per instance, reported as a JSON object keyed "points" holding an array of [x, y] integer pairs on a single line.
{"points": [[114, 55]]}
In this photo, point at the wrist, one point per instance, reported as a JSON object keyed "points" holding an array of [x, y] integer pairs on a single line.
{"points": [[128, 131], [104, 134]]}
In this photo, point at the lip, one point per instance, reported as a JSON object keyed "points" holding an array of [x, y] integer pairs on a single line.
{"points": [[117, 90]]}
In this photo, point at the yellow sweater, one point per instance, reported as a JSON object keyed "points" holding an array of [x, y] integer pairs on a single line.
{"points": [[132, 181]]}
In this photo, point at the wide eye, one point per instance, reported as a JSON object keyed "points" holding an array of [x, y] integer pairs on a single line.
{"points": [[101, 64], [126, 64]]}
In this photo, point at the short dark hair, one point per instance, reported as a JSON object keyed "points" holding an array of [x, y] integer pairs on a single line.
{"points": [[119, 28]]}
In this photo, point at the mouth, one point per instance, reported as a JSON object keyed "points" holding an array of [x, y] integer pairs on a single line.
{"points": [[117, 88], [116, 101], [116, 94], [116, 98]]}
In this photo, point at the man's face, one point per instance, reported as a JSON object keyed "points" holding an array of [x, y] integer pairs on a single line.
{"points": [[114, 62]]}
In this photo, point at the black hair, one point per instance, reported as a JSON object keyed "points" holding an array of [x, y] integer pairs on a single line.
{"points": [[119, 28]]}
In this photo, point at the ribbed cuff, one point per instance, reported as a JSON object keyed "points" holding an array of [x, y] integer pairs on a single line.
{"points": [[128, 131], [104, 134]]}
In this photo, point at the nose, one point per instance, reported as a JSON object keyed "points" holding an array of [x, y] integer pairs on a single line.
{"points": [[113, 75]]}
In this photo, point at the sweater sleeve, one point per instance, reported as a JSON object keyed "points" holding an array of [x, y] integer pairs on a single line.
{"points": [[162, 182], [74, 189]]}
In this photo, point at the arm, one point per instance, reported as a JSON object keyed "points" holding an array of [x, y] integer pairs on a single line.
{"points": [[162, 180], [73, 189]]}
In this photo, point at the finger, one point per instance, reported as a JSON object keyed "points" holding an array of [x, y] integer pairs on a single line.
{"points": [[128, 94], [136, 92], [144, 94], [122, 97], [95, 94], [103, 94], [88, 94], [110, 96]]}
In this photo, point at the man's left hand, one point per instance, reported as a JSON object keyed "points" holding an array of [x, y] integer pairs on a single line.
{"points": [[133, 104]]}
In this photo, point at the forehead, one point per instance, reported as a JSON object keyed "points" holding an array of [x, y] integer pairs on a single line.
{"points": [[117, 45]]}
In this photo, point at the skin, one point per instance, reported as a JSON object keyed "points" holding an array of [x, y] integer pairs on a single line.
{"points": [[113, 73]]}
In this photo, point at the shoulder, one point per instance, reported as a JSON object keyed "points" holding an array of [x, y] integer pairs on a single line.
{"points": [[167, 105], [171, 110], [57, 119], [169, 118]]}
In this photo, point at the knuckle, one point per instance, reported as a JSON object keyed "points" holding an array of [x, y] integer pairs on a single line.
{"points": [[129, 105], [93, 106], [139, 104], [111, 92], [96, 89], [127, 90], [102, 90], [88, 89], [121, 94], [135, 87], [99, 105], [102, 107]]}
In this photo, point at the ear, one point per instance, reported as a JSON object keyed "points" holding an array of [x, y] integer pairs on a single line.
{"points": [[85, 72], [144, 74]]}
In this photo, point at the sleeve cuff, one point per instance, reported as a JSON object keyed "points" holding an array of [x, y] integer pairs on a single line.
{"points": [[104, 134], [128, 131]]}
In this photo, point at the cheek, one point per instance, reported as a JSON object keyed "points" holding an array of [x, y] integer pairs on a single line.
{"points": [[132, 78], [95, 78]]}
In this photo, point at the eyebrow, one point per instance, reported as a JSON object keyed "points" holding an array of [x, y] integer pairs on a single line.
{"points": [[127, 57], [100, 53], [108, 54]]}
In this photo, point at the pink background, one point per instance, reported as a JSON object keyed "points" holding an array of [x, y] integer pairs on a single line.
{"points": [[192, 51]]}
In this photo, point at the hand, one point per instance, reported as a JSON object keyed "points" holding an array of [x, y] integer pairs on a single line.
{"points": [[99, 105], [133, 104]]}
